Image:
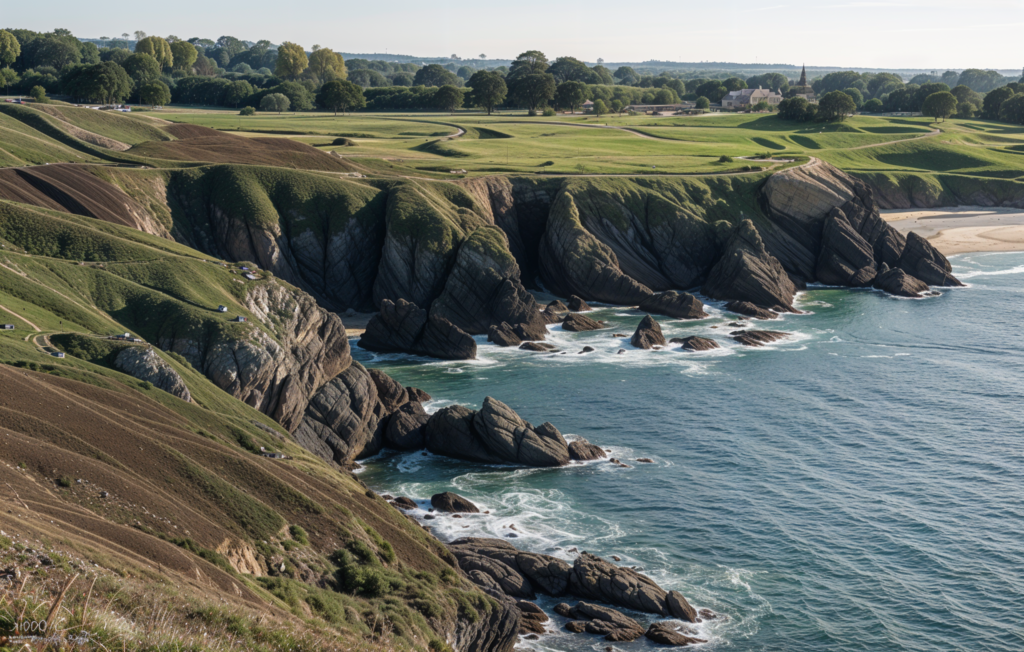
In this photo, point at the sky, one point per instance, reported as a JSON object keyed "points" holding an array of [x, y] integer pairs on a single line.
{"points": [[927, 34]]}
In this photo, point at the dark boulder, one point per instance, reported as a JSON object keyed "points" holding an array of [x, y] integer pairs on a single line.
{"points": [[534, 331], [503, 335], [747, 272], [551, 316], [405, 429], [342, 421], [750, 310], [548, 574], [648, 334], [757, 338], [557, 306], [404, 327], [845, 257], [453, 503], [510, 581], [923, 261], [678, 305], [582, 450], [695, 343], [405, 503], [532, 617], [678, 607], [576, 304], [898, 282], [667, 633], [576, 322], [537, 346], [596, 619], [597, 579]]}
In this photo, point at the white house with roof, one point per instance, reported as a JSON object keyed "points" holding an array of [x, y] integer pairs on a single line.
{"points": [[748, 97]]}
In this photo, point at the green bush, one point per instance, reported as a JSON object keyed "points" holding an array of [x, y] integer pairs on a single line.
{"points": [[725, 159], [65, 481], [247, 110], [299, 535], [344, 142], [548, 111]]}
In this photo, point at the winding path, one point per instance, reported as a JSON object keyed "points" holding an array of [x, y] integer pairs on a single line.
{"points": [[8, 310]]}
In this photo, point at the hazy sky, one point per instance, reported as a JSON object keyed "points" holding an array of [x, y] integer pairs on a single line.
{"points": [[933, 34]]}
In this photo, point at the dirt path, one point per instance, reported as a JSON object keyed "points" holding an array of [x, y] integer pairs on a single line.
{"points": [[8, 310], [893, 142]]}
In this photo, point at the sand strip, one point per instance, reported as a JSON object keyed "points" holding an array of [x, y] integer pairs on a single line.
{"points": [[964, 229]]}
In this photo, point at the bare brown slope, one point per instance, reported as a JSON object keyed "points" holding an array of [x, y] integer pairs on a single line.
{"points": [[72, 189], [208, 145]]}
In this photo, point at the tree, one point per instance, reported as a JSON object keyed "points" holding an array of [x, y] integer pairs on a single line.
{"points": [[994, 101], [835, 81], [713, 90], [142, 68], [448, 98], [52, 50], [274, 102], [488, 90], [734, 84], [327, 64], [569, 69], [626, 75], [884, 82], [38, 93], [856, 96], [531, 62], [571, 95], [794, 109], [139, 35], [835, 105], [939, 105], [247, 110], [8, 77], [533, 90], [874, 105], [703, 103], [237, 91], [184, 55], [103, 82], [10, 48], [435, 75], [604, 74], [1012, 110], [761, 107], [155, 93], [341, 94], [617, 106], [157, 48], [981, 81], [291, 60], [665, 96], [600, 108]]}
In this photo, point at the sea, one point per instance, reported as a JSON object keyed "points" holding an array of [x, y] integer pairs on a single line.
{"points": [[856, 486]]}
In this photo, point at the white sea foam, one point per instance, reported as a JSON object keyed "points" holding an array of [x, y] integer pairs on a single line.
{"points": [[993, 272]]}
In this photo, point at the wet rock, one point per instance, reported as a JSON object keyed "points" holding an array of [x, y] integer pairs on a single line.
{"points": [[548, 574], [392, 394], [750, 310], [510, 581], [620, 352], [678, 607], [532, 332], [695, 343], [747, 272], [707, 614], [576, 304], [597, 579], [619, 335], [898, 282], [666, 633], [678, 305], [577, 323], [503, 335], [538, 346], [587, 349], [405, 503], [452, 503], [145, 364], [597, 619], [551, 316], [757, 338], [404, 327], [533, 617], [405, 429], [648, 334], [923, 261], [584, 451], [642, 460], [494, 434], [557, 306], [845, 258]]}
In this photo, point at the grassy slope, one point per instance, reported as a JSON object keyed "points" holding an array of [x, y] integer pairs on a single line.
{"points": [[122, 127]]}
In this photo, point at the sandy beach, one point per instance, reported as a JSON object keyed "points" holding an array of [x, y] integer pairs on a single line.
{"points": [[964, 229]]}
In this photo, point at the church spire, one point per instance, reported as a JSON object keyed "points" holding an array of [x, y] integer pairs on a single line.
{"points": [[803, 76]]}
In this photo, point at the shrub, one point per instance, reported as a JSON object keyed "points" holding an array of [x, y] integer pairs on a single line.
{"points": [[548, 111], [725, 159], [247, 110], [344, 142], [299, 534], [65, 481]]}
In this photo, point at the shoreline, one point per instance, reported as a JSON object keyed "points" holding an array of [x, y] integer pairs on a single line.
{"points": [[964, 229]]}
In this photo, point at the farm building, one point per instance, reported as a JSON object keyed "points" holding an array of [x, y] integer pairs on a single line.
{"points": [[240, 318], [58, 354], [8, 327], [748, 97], [222, 308]]}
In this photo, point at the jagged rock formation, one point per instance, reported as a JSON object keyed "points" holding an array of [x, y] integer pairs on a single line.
{"points": [[750, 310], [678, 305], [695, 343], [747, 272], [757, 338], [404, 327], [923, 261], [577, 323], [666, 633], [899, 283], [595, 619], [496, 435], [583, 451], [343, 419], [145, 364], [648, 334]]}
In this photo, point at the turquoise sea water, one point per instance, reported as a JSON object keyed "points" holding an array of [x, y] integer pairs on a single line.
{"points": [[859, 486]]}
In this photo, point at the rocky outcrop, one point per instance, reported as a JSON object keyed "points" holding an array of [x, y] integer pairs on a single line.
{"points": [[680, 608], [695, 343], [648, 334], [343, 419], [539, 347], [576, 304], [583, 451], [546, 574], [747, 272], [923, 261], [845, 257], [496, 629], [757, 338], [533, 618], [667, 633], [596, 619], [597, 579], [899, 283], [145, 364], [406, 427], [750, 310], [452, 503], [576, 323], [503, 335], [678, 305], [495, 435], [403, 327]]}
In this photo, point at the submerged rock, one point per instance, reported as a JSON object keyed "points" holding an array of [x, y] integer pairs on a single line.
{"points": [[757, 338], [898, 282], [503, 335], [596, 619], [695, 343], [750, 310], [667, 633], [582, 450], [648, 334], [678, 305], [453, 503], [537, 346]]}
